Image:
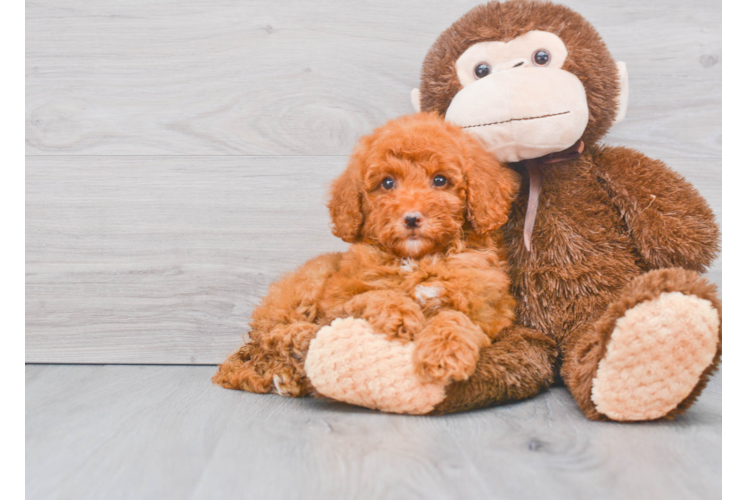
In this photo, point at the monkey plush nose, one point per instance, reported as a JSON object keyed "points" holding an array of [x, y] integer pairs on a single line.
{"points": [[412, 219]]}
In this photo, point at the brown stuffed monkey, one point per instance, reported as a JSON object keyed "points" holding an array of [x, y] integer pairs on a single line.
{"points": [[606, 247]]}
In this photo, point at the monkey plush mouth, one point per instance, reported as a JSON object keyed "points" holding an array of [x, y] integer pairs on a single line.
{"points": [[517, 120], [522, 114]]}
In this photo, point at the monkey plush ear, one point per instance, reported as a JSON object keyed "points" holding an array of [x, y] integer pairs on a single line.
{"points": [[415, 99], [491, 189], [345, 203], [623, 96]]}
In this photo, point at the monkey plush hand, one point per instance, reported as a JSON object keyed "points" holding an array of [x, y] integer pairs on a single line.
{"points": [[606, 245]]}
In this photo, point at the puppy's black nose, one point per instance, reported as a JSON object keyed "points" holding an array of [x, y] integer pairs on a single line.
{"points": [[412, 219]]}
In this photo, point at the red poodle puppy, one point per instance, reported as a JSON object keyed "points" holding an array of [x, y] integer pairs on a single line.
{"points": [[420, 202]]}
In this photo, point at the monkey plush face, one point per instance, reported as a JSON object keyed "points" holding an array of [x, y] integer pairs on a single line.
{"points": [[517, 98], [527, 78]]}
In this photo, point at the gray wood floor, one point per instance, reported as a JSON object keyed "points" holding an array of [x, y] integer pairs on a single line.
{"points": [[141, 432]]}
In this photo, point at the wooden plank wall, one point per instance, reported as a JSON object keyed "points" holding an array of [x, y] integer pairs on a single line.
{"points": [[178, 152]]}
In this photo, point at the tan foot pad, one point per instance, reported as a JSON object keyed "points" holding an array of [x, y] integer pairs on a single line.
{"points": [[348, 362], [655, 357]]}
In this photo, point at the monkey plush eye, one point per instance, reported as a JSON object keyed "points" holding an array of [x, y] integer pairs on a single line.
{"points": [[388, 183], [440, 181], [541, 57], [482, 70]]}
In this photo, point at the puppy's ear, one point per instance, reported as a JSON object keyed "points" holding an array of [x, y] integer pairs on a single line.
{"points": [[345, 207], [492, 187]]}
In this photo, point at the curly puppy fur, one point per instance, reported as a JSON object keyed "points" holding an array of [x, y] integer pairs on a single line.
{"points": [[420, 202]]}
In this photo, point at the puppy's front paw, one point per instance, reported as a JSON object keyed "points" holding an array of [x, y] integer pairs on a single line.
{"points": [[402, 321], [286, 384], [454, 361], [397, 316], [448, 348]]}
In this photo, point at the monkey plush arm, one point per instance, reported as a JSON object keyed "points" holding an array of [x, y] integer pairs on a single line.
{"points": [[670, 222]]}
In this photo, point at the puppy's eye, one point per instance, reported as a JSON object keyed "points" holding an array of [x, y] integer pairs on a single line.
{"points": [[541, 57], [440, 181], [482, 70], [388, 183]]}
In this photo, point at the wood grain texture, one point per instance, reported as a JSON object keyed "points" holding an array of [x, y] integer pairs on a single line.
{"points": [[132, 432], [306, 78], [178, 153], [160, 260]]}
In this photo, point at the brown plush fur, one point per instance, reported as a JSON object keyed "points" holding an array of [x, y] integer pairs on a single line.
{"points": [[516, 366], [613, 226], [443, 284]]}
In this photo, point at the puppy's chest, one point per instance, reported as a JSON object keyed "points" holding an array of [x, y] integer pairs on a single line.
{"points": [[417, 280]]}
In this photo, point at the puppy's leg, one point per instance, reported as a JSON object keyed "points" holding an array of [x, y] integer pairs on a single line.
{"points": [[283, 325], [517, 365], [271, 361], [448, 348], [388, 311]]}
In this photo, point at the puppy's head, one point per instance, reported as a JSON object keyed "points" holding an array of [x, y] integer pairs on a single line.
{"points": [[416, 184]]}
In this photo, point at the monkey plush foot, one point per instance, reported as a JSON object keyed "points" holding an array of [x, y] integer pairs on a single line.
{"points": [[349, 362], [655, 357], [651, 353]]}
